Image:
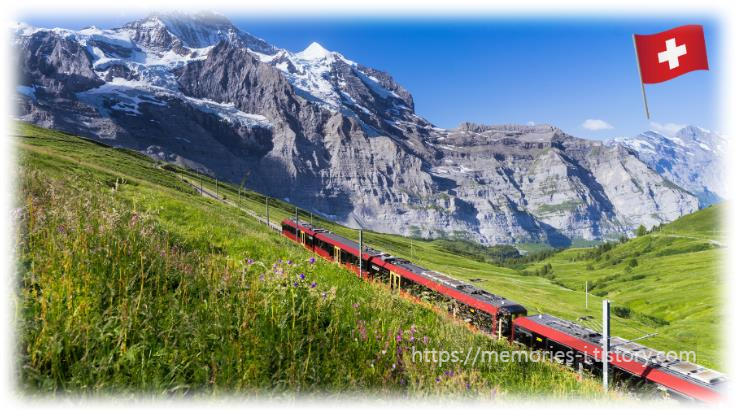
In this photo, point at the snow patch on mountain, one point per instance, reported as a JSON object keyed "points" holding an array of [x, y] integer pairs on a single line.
{"points": [[689, 157]]}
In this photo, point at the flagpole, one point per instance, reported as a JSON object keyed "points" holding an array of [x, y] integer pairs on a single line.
{"points": [[639, 73]]}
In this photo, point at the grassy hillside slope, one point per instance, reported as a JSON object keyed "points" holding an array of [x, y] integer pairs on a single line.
{"points": [[129, 281], [669, 280], [673, 292]]}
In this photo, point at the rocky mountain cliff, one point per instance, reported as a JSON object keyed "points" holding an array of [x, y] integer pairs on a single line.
{"points": [[690, 158], [330, 135]]}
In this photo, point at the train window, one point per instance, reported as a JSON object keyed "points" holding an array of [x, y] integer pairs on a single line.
{"points": [[289, 229], [326, 247]]}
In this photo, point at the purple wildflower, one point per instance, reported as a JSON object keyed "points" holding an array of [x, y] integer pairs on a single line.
{"points": [[296, 284], [468, 386], [402, 382], [394, 365], [261, 277], [313, 285], [61, 229], [437, 380], [302, 276], [355, 305], [425, 339], [250, 261], [312, 261], [289, 262]]}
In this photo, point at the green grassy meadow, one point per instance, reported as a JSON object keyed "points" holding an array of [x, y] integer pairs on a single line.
{"points": [[130, 282], [673, 291]]}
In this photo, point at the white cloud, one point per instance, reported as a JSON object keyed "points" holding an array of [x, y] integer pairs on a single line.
{"points": [[668, 129], [596, 124]]}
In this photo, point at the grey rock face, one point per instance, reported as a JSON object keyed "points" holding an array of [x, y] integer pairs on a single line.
{"points": [[690, 158], [331, 135]]}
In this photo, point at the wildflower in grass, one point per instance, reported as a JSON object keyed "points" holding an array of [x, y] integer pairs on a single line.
{"points": [[289, 262], [134, 220], [361, 325], [437, 380], [355, 306], [261, 278], [60, 229], [296, 284], [250, 261], [302, 276], [402, 382], [313, 285], [394, 366], [312, 261], [425, 340], [468, 386], [324, 295]]}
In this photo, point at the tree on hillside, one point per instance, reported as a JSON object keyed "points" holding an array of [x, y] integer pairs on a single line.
{"points": [[641, 231]]}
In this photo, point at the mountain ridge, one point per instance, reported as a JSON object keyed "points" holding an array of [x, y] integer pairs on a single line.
{"points": [[191, 90]]}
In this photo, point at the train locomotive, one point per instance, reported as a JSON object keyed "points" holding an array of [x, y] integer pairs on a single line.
{"points": [[504, 318]]}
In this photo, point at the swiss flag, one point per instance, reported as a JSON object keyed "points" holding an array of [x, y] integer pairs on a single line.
{"points": [[669, 54]]}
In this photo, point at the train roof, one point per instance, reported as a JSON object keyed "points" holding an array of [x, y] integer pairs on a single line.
{"points": [[640, 353], [437, 277]]}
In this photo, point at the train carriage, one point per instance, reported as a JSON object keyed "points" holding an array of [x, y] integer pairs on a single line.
{"points": [[582, 347], [576, 345], [490, 313]]}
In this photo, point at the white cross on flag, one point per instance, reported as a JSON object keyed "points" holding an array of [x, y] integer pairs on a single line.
{"points": [[669, 54]]}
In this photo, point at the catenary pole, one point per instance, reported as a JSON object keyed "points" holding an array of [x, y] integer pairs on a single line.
{"points": [[360, 253], [268, 222], [605, 344]]}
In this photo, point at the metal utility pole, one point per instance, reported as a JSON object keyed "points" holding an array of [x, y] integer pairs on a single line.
{"points": [[360, 253], [587, 294], [268, 222], [605, 344], [311, 220], [296, 215]]}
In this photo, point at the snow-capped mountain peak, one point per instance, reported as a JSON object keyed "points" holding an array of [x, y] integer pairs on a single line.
{"points": [[196, 90], [314, 51], [690, 158]]}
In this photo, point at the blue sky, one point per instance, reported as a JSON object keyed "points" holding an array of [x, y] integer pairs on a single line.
{"points": [[491, 70]]}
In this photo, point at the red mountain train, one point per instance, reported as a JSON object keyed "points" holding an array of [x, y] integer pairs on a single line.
{"points": [[577, 346]]}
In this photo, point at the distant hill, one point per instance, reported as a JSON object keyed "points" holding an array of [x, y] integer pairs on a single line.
{"points": [[670, 279]]}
